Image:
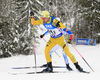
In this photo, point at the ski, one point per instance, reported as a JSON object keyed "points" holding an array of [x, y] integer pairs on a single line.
{"points": [[38, 67], [84, 72], [41, 72]]}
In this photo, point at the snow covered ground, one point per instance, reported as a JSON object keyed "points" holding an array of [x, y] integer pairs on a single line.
{"points": [[90, 53]]}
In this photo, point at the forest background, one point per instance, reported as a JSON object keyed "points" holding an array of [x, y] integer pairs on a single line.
{"points": [[82, 17]]}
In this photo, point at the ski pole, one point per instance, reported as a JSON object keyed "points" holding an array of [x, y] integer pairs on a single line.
{"points": [[81, 56], [54, 51], [79, 53], [34, 49]]}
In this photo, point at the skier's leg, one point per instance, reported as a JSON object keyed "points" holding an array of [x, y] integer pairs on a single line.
{"points": [[62, 43], [51, 52], [69, 54], [54, 49], [65, 57], [50, 44], [66, 61]]}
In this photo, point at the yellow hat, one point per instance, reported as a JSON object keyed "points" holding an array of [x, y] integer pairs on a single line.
{"points": [[45, 14]]}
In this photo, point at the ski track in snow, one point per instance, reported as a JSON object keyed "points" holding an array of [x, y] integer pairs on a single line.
{"points": [[90, 53]]}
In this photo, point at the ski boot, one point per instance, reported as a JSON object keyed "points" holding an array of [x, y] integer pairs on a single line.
{"points": [[49, 68], [68, 67], [80, 69]]}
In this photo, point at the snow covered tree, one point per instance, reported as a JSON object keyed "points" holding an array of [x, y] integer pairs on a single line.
{"points": [[88, 18], [16, 35], [16, 31], [6, 35]]}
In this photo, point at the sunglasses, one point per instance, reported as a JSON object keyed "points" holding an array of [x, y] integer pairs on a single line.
{"points": [[43, 18]]}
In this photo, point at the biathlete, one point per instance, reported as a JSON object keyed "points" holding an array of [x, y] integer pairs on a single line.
{"points": [[57, 46], [56, 37]]}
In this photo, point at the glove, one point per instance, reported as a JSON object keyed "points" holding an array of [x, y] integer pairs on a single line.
{"points": [[31, 13], [69, 41], [41, 36]]}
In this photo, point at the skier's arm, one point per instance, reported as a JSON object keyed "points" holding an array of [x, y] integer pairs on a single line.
{"points": [[69, 32], [57, 23], [36, 22], [33, 21], [47, 32], [41, 36]]}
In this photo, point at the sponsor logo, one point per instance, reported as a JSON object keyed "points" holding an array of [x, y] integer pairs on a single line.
{"points": [[50, 26]]}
